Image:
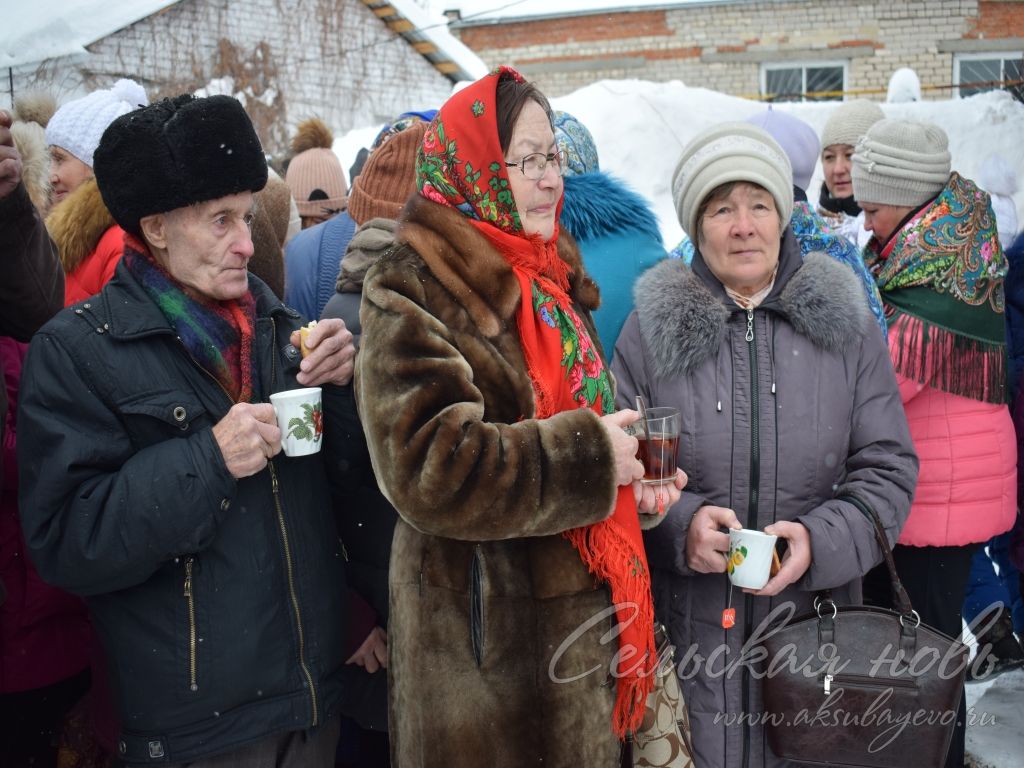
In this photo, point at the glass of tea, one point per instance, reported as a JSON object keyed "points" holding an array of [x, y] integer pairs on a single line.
{"points": [[659, 450]]}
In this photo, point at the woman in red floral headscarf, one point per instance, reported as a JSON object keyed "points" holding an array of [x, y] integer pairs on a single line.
{"points": [[521, 620]]}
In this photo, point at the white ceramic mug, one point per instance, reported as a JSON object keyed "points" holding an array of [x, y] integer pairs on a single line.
{"points": [[300, 417], [750, 557]]}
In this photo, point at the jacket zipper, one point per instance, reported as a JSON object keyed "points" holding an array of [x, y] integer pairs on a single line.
{"points": [[190, 600], [755, 480], [288, 552], [291, 588], [864, 681]]}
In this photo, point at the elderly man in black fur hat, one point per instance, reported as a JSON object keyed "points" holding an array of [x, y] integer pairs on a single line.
{"points": [[152, 480]]}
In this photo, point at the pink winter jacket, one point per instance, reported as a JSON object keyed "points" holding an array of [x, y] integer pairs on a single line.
{"points": [[967, 486]]}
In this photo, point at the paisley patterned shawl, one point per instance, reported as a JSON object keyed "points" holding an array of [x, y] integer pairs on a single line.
{"points": [[942, 277], [952, 247]]}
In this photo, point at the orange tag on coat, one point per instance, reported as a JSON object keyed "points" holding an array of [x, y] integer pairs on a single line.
{"points": [[728, 618]]}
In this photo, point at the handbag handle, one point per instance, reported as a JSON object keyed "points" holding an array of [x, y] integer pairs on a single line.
{"points": [[899, 595]]}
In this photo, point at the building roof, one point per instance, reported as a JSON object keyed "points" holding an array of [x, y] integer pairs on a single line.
{"points": [[49, 29], [427, 32]]}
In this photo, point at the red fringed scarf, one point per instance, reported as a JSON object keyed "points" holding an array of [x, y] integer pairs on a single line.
{"points": [[461, 166]]}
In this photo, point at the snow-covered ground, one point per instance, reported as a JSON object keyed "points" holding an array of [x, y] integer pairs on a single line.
{"points": [[995, 719], [995, 730], [641, 127]]}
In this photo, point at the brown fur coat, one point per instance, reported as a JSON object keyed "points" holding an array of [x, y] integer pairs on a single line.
{"points": [[485, 592]]}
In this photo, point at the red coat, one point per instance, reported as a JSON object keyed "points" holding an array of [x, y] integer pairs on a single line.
{"points": [[96, 269], [44, 631], [89, 242]]}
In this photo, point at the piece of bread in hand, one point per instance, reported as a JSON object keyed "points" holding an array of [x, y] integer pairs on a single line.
{"points": [[303, 334]]}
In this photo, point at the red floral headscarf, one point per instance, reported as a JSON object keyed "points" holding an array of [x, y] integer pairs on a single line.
{"points": [[461, 165]]}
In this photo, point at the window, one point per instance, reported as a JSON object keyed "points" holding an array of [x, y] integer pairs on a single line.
{"points": [[980, 72], [813, 81]]}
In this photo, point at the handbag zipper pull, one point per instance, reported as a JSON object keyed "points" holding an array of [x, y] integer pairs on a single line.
{"points": [[828, 684]]}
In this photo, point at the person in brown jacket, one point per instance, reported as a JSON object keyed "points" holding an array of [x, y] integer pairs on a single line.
{"points": [[490, 423]]}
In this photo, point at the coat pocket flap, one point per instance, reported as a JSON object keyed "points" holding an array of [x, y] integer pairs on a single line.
{"points": [[176, 408]]}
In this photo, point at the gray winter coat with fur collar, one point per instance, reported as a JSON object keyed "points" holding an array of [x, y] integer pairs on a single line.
{"points": [[781, 427]]}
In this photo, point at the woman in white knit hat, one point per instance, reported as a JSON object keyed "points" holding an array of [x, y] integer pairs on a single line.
{"points": [[89, 241], [791, 421], [939, 267], [847, 123]]}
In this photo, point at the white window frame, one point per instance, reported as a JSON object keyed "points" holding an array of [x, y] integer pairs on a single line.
{"points": [[803, 64], [982, 56]]}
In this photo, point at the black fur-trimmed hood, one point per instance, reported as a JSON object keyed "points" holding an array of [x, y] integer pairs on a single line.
{"points": [[683, 322]]}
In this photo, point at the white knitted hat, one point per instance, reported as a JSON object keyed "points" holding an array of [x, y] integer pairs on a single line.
{"points": [[900, 162], [849, 122], [78, 125], [730, 152]]}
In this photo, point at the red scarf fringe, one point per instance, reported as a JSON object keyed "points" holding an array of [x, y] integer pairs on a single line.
{"points": [[612, 549]]}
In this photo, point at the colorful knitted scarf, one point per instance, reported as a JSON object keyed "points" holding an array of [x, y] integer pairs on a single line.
{"points": [[942, 277], [218, 334], [461, 165]]}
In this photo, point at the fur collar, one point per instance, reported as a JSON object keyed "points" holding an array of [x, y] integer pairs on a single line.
{"points": [[597, 205], [472, 270], [684, 323], [77, 224]]}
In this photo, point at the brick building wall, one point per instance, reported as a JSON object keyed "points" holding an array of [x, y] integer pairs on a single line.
{"points": [[291, 59], [723, 45]]}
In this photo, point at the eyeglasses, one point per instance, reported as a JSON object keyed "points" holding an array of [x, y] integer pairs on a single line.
{"points": [[533, 166]]}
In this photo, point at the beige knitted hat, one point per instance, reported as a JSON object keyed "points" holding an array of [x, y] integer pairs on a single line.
{"points": [[900, 162], [849, 121], [314, 173], [730, 152]]}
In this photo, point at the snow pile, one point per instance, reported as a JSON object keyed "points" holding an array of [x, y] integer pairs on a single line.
{"points": [[225, 86], [904, 86], [641, 127]]}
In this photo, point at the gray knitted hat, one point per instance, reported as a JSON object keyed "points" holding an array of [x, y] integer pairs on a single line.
{"points": [[900, 162], [849, 122], [730, 152]]}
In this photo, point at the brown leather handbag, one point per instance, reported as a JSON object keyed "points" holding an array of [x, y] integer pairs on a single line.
{"points": [[863, 686]]}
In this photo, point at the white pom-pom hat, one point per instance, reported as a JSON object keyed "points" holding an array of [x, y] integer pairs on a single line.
{"points": [[78, 125]]}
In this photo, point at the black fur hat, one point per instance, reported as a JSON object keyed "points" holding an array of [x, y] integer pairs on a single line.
{"points": [[175, 153]]}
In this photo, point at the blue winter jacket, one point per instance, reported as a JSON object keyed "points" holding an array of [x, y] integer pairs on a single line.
{"points": [[311, 262], [618, 236]]}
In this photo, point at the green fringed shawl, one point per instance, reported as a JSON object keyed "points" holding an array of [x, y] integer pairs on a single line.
{"points": [[941, 277]]}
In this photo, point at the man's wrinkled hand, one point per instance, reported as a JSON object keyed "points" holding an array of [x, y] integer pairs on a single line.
{"points": [[332, 354], [248, 437]]}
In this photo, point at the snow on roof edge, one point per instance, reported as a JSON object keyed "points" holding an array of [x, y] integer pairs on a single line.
{"points": [[434, 26], [40, 34]]}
